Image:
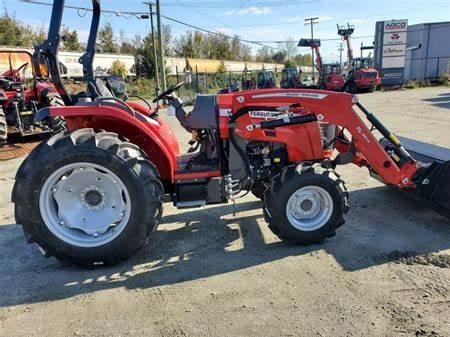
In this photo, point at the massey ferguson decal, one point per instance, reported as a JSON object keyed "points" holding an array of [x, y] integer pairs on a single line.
{"points": [[292, 94], [264, 114]]}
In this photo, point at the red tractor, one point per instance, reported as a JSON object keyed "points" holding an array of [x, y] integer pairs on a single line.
{"points": [[362, 76], [330, 76], [22, 93], [94, 193]]}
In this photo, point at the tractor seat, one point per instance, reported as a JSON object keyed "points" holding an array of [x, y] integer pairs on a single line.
{"points": [[99, 89], [204, 113]]}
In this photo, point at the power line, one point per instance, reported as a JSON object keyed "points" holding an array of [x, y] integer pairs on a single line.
{"points": [[260, 43], [231, 3], [215, 20], [137, 14], [322, 40]]}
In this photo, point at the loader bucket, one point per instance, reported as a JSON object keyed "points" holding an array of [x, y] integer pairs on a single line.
{"points": [[309, 43], [433, 184]]}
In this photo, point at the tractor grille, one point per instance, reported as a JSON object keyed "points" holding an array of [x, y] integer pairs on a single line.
{"points": [[327, 133]]}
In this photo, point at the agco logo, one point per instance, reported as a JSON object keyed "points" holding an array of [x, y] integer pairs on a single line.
{"points": [[395, 25], [392, 75]]}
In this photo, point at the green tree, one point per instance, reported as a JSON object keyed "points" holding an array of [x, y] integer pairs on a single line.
{"points": [[279, 57], [70, 39], [15, 33], [264, 54], [145, 65], [118, 68], [221, 68], [290, 64], [303, 59], [106, 41]]}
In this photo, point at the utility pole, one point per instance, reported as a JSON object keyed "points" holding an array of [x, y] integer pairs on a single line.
{"points": [[312, 22], [155, 57], [340, 49], [160, 47]]}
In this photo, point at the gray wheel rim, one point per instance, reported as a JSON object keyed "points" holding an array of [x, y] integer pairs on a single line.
{"points": [[309, 208], [85, 204]]}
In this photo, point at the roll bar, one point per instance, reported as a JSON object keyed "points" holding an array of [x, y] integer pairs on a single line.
{"points": [[87, 58], [47, 52]]}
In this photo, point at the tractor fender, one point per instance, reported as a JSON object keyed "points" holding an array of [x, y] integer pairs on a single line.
{"points": [[152, 135]]}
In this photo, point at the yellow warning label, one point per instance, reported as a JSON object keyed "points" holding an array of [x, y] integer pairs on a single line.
{"points": [[394, 139]]}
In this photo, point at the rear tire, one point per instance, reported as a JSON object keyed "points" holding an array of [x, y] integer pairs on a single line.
{"points": [[3, 127], [306, 207], [98, 231], [57, 124]]}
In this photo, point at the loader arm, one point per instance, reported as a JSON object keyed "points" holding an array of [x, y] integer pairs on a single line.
{"points": [[339, 109], [315, 45], [318, 57], [346, 32]]}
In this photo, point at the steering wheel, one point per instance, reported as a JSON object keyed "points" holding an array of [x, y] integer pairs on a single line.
{"points": [[23, 67], [169, 91]]}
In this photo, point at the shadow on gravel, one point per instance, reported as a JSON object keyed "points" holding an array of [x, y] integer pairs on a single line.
{"points": [[208, 242], [441, 100]]}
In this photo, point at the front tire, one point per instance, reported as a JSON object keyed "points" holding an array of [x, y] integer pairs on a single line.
{"points": [[350, 87], [88, 197], [305, 205]]}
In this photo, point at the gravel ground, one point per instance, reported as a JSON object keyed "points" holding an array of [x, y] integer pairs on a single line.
{"points": [[207, 273]]}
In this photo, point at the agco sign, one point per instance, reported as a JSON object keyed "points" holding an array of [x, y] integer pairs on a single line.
{"points": [[390, 50], [395, 25]]}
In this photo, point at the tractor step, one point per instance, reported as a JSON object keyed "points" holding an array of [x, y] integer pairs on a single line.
{"points": [[190, 204]]}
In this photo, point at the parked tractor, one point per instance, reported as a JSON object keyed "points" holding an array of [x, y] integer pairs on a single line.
{"points": [[362, 76], [290, 78], [265, 79], [22, 93], [94, 193], [248, 80], [330, 76]]}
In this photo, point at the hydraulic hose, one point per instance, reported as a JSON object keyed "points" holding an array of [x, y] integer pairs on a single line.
{"points": [[399, 149]]}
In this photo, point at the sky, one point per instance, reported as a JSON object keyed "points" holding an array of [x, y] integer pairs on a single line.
{"points": [[256, 20]]}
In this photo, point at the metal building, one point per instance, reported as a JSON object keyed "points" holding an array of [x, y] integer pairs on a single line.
{"points": [[427, 51]]}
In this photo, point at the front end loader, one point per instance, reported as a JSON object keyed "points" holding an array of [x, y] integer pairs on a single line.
{"points": [[362, 76], [330, 76], [94, 193]]}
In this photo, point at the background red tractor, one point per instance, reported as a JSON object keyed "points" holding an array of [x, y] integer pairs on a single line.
{"points": [[362, 76], [330, 76], [94, 194], [22, 93]]}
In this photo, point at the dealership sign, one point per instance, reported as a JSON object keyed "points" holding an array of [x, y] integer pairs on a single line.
{"points": [[394, 38], [390, 50]]}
